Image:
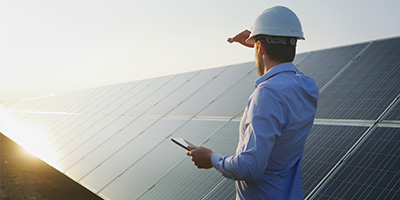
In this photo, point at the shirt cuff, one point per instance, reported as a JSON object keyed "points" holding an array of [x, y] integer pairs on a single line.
{"points": [[216, 160]]}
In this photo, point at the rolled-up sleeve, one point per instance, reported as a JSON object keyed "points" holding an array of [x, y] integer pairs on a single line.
{"points": [[263, 122]]}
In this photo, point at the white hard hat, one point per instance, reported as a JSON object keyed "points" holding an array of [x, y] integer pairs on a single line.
{"points": [[276, 21]]}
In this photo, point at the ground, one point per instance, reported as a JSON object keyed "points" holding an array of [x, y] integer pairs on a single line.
{"points": [[23, 176]]}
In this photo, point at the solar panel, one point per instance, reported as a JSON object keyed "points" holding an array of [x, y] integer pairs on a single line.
{"points": [[88, 162], [131, 101], [371, 172], [224, 191], [115, 139], [130, 152], [162, 159], [184, 91], [323, 65], [185, 181], [324, 148], [158, 96], [367, 87], [210, 91], [233, 100], [394, 114]]}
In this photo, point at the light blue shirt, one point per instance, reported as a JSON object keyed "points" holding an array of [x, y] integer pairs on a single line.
{"points": [[272, 134]]}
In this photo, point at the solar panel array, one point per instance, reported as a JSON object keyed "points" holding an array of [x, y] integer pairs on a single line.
{"points": [[115, 140]]}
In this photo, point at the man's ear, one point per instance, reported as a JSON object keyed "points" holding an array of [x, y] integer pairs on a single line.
{"points": [[260, 48]]}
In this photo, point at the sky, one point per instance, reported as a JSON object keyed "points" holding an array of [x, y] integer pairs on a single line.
{"points": [[51, 47]]}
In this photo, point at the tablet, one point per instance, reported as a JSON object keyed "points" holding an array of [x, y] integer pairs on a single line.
{"points": [[182, 143]]}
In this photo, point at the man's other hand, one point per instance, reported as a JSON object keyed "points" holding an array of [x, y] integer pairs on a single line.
{"points": [[201, 156], [241, 38]]}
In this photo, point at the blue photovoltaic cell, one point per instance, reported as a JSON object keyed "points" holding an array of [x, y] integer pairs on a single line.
{"points": [[324, 147], [371, 172], [366, 88]]}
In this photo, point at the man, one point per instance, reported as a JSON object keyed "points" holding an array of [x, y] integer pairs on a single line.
{"points": [[278, 116]]}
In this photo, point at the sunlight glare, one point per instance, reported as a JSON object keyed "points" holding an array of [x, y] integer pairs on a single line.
{"points": [[29, 137]]}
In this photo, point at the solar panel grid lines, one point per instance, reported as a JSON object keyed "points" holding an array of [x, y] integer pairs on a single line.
{"points": [[334, 169], [225, 122], [210, 91], [114, 134], [350, 152], [394, 114], [92, 143], [90, 138], [95, 100], [347, 65], [300, 57], [51, 108], [69, 123], [225, 190], [391, 111], [325, 147], [59, 103], [125, 97], [224, 105], [213, 190], [372, 172], [130, 152], [330, 61], [77, 137], [141, 96], [185, 174], [162, 93], [358, 93], [170, 102], [76, 134], [106, 150], [163, 158]]}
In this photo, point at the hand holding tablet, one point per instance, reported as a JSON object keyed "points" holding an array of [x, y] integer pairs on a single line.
{"points": [[182, 143]]}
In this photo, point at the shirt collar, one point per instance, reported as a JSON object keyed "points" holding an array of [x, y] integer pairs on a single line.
{"points": [[283, 67]]}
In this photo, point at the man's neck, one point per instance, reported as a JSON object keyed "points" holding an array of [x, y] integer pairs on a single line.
{"points": [[269, 64]]}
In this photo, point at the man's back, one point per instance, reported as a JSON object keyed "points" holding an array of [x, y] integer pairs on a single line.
{"points": [[275, 126]]}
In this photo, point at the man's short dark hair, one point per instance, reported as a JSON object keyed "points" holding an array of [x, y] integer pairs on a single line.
{"points": [[280, 49]]}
